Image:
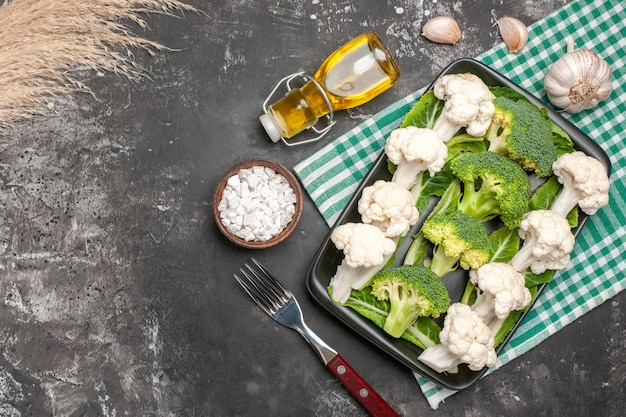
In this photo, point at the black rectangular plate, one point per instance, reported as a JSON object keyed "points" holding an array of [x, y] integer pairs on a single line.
{"points": [[328, 257]]}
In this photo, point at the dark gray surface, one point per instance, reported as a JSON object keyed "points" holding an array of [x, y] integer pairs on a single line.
{"points": [[117, 286]]}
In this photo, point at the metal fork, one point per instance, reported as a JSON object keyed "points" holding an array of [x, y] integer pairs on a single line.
{"points": [[280, 304]]}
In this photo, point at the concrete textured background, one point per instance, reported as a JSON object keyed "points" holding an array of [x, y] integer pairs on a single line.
{"points": [[117, 295]]}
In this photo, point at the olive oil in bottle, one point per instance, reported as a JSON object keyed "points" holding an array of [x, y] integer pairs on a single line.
{"points": [[351, 76]]}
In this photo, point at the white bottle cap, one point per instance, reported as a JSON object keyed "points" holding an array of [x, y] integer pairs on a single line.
{"points": [[270, 127]]}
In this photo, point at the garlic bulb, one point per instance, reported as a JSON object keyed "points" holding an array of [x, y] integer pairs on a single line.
{"points": [[442, 29], [514, 33], [579, 80]]}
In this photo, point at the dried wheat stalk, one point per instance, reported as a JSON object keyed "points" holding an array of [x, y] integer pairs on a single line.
{"points": [[42, 41]]}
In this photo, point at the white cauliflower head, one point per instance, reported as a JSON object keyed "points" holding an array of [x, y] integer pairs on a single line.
{"points": [[585, 182], [469, 104], [389, 207], [502, 290], [415, 150], [363, 245], [466, 336], [548, 242]]}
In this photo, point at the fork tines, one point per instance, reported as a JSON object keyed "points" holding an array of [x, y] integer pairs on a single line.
{"points": [[263, 287]]}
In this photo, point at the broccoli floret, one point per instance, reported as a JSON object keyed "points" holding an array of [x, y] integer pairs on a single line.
{"points": [[448, 202], [459, 239], [493, 185], [521, 131], [424, 332], [412, 291]]}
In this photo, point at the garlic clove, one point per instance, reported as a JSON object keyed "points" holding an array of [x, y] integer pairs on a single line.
{"points": [[442, 29], [514, 33]]}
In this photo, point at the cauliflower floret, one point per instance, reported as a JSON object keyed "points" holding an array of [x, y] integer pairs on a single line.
{"points": [[465, 338], [501, 290], [585, 182], [469, 104], [548, 242], [415, 150], [363, 245], [366, 249], [389, 207]]}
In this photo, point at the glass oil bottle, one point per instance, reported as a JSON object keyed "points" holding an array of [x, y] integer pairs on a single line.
{"points": [[351, 76]]}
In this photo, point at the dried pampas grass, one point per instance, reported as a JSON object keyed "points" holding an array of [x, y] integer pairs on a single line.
{"points": [[43, 41]]}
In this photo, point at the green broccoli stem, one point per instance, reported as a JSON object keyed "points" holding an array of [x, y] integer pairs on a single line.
{"points": [[401, 316], [477, 203], [496, 141], [448, 202], [440, 263]]}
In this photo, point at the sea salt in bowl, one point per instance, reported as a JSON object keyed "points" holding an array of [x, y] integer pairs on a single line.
{"points": [[257, 204]]}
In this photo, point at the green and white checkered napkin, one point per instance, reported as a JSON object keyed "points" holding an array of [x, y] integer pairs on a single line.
{"points": [[597, 268]]}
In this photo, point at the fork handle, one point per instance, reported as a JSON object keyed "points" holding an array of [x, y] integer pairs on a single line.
{"points": [[361, 390]]}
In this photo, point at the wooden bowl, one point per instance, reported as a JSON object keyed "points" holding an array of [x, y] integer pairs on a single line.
{"points": [[276, 239]]}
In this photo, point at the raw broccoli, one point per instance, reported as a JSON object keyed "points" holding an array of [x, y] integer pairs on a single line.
{"points": [[493, 185], [412, 291], [459, 239], [424, 332], [448, 202], [521, 131]]}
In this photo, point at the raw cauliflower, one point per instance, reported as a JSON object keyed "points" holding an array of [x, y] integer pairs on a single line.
{"points": [[366, 249], [469, 105], [389, 207], [465, 338], [585, 183], [501, 289], [548, 242], [415, 150]]}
